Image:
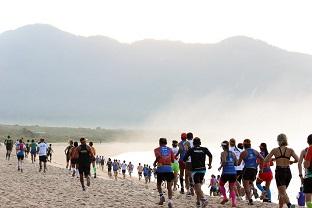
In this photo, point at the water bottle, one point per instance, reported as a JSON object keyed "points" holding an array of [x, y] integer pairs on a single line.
{"points": [[301, 198]]}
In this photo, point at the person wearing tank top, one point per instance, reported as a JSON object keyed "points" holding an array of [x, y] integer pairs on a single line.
{"points": [[283, 176], [307, 181], [175, 164], [228, 164], [188, 166], [250, 157], [181, 154]]}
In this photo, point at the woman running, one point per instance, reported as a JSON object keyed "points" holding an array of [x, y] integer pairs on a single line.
{"points": [[283, 175], [265, 175]]}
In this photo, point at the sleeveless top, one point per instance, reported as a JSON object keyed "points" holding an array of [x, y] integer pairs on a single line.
{"points": [[229, 167], [251, 159], [84, 156]]}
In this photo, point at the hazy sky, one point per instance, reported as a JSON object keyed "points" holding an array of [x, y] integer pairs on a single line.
{"points": [[283, 23]]}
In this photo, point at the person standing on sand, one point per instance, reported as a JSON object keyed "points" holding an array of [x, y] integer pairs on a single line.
{"points": [[73, 159], [175, 164], [181, 153], [85, 156], [250, 158], [33, 150], [9, 146], [164, 158], [42, 152], [307, 181], [67, 151], [283, 175], [198, 169], [20, 153], [93, 160], [228, 164], [140, 170]]}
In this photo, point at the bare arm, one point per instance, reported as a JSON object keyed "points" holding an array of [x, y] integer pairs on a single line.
{"points": [[259, 156], [300, 162], [241, 157], [269, 156], [223, 160]]}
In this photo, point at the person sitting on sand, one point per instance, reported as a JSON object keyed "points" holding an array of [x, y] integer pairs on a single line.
{"points": [[85, 156], [250, 157], [115, 169], [283, 175], [164, 158], [109, 167], [198, 154], [140, 170], [42, 152], [20, 153]]}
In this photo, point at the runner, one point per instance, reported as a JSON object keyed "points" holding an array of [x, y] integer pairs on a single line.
{"points": [[20, 153], [175, 164], [283, 175], [102, 162], [67, 151], [49, 153], [109, 167], [74, 159], [124, 169], [115, 169], [164, 159], [239, 169], [9, 146], [265, 175], [85, 156], [33, 150], [93, 159], [228, 163], [182, 152], [130, 168], [307, 182], [188, 166], [140, 170], [249, 156], [213, 186], [42, 151], [149, 174], [27, 149]]}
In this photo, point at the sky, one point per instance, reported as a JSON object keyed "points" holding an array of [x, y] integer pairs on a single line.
{"points": [[283, 23]]}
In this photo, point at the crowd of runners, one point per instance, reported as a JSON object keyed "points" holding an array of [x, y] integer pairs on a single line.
{"points": [[182, 167]]}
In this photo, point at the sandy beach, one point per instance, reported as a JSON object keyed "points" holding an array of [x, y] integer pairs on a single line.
{"points": [[57, 188]]}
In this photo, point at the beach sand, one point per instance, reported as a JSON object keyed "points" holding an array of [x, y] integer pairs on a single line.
{"points": [[57, 188]]}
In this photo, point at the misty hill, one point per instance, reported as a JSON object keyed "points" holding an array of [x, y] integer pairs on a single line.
{"points": [[50, 75]]}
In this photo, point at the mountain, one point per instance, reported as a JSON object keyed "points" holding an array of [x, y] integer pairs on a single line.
{"points": [[48, 75]]}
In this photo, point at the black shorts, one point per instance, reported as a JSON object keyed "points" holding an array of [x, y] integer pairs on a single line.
{"points": [[198, 177], [167, 176], [140, 173], [43, 158], [67, 158], [73, 161], [249, 174], [282, 176], [109, 169], [123, 171], [307, 186], [239, 176], [20, 157], [84, 169], [228, 178]]}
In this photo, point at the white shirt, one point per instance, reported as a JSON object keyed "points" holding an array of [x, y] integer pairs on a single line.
{"points": [[237, 153], [42, 149], [191, 146], [123, 166], [175, 151]]}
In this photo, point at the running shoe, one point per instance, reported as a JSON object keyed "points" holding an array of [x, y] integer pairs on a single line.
{"points": [[161, 200], [198, 204], [250, 202]]}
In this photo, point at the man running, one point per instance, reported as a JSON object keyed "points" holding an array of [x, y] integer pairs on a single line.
{"points": [[20, 153], [67, 153], [250, 157], [198, 168], [9, 146], [175, 164], [307, 181], [109, 167], [27, 149], [49, 153], [164, 159], [42, 152], [124, 169], [115, 169], [33, 150], [188, 166], [85, 156], [140, 170], [93, 160], [74, 159], [239, 169], [182, 152], [130, 168]]}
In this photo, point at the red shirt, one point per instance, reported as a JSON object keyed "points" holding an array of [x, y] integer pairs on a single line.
{"points": [[164, 155], [308, 156]]}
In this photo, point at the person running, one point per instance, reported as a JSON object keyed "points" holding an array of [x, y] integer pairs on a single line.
{"points": [[181, 153], [74, 159], [109, 167], [228, 163], [9, 146], [175, 164], [307, 181], [98, 161], [130, 169], [213, 185], [265, 175], [20, 153], [49, 153], [115, 169], [188, 166], [140, 171], [42, 152], [149, 174], [283, 175], [102, 162], [300, 163], [93, 159], [239, 169], [250, 157], [85, 156], [197, 154], [124, 169], [164, 158], [27, 148], [67, 151], [145, 173], [33, 150]]}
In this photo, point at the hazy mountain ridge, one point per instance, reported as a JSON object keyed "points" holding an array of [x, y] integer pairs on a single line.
{"points": [[48, 74]]}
